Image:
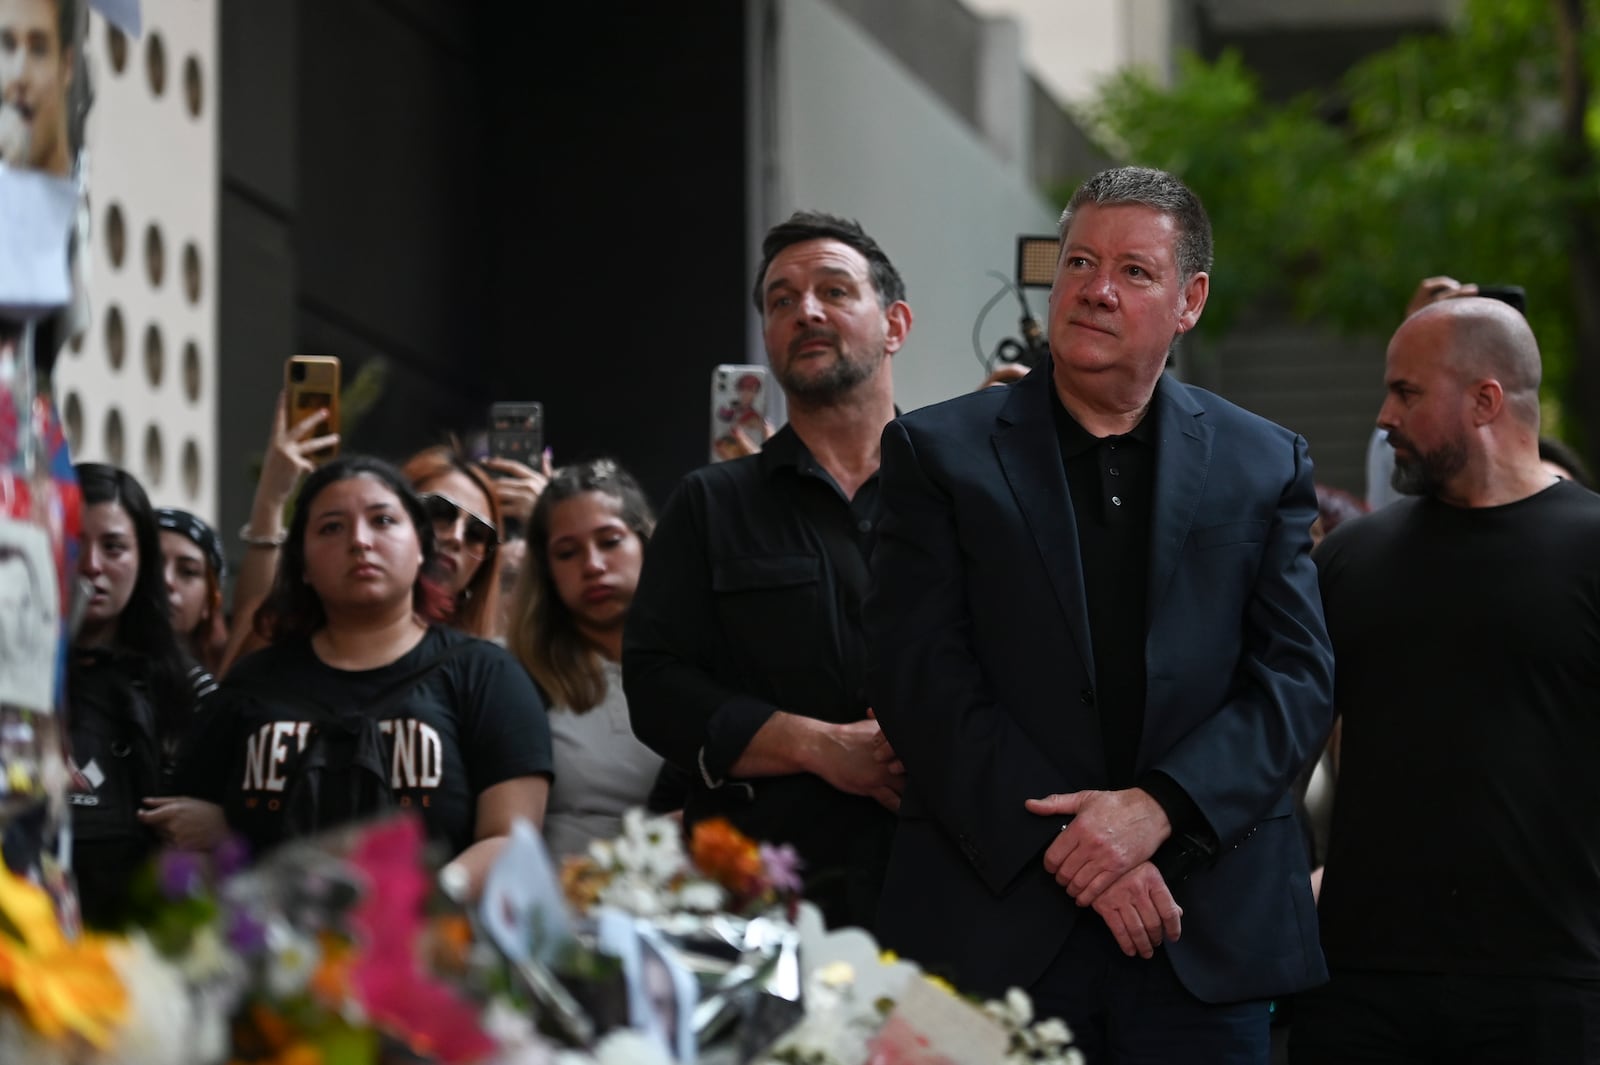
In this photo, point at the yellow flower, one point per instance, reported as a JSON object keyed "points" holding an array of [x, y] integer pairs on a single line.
{"points": [[942, 984], [64, 986]]}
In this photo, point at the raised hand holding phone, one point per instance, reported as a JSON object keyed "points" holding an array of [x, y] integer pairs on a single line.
{"points": [[311, 384], [290, 450], [516, 447], [739, 424], [517, 486]]}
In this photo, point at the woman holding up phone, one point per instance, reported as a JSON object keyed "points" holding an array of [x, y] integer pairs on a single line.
{"points": [[585, 549], [440, 724], [463, 507], [287, 459]]}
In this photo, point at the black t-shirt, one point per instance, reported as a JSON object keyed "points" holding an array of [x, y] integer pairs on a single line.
{"points": [[473, 722], [1466, 824]]}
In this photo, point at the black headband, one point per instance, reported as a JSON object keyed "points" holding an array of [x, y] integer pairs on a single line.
{"points": [[203, 535]]}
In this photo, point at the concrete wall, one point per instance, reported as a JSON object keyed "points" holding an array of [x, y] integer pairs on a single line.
{"points": [[139, 387], [858, 135]]}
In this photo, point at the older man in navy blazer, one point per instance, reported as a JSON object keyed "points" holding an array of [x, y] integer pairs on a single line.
{"points": [[1099, 650]]}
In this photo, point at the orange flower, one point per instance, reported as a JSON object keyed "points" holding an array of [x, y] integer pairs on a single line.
{"points": [[728, 856], [64, 986], [449, 942], [582, 881], [269, 1028], [330, 982]]}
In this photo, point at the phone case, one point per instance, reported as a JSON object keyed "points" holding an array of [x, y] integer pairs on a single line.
{"points": [[311, 383], [738, 401], [516, 431]]}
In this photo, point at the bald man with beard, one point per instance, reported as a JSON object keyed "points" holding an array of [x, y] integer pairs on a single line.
{"points": [[1461, 904]]}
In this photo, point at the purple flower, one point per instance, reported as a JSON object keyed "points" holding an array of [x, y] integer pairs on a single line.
{"points": [[782, 864], [180, 874], [232, 855], [246, 934]]}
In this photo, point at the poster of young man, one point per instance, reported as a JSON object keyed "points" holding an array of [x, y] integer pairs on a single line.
{"points": [[39, 49]]}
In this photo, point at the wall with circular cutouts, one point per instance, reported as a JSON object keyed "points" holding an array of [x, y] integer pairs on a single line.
{"points": [[138, 386]]}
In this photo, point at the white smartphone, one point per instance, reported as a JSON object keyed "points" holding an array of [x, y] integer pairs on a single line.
{"points": [[738, 409]]}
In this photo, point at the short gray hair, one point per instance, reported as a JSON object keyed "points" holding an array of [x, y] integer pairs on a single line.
{"points": [[1157, 189]]}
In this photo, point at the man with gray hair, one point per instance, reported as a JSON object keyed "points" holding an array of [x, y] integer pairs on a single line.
{"points": [[1098, 649], [1461, 902]]}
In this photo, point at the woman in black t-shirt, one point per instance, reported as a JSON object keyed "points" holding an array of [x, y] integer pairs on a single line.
{"points": [[465, 742], [131, 691]]}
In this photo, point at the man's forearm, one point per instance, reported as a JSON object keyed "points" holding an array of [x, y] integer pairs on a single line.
{"points": [[786, 743]]}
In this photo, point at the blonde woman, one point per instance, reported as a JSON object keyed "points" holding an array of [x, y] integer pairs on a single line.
{"points": [[585, 548]]}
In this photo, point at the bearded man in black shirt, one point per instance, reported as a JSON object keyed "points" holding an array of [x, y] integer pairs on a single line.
{"points": [[1461, 904], [744, 660]]}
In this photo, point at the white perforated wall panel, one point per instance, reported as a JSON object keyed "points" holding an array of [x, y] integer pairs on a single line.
{"points": [[138, 388]]}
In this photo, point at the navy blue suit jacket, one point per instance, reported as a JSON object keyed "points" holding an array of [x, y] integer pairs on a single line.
{"points": [[982, 677]]}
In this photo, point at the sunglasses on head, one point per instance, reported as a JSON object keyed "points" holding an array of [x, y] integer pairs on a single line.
{"points": [[442, 510]]}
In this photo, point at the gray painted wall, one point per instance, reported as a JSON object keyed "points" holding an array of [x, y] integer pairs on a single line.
{"points": [[858, 135]]}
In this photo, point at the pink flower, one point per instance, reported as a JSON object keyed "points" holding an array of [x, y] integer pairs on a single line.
{"points": [[387, 976], [782, 865]]}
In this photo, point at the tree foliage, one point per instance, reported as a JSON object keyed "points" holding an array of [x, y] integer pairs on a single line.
{"points": [[1441, 155]]}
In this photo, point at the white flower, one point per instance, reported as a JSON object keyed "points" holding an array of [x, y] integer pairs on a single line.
{"points": [[702, 896], [600, 850], [627, 1047], [208, 960], [292, 958], [1053, 1032], [504, 1024], [161, 1027], [634, 895], [455, 882], [831, 988], [872, 976], [835, 974], [213, 1006], [649, 847], [1020, 1006], [1044, 1043]]}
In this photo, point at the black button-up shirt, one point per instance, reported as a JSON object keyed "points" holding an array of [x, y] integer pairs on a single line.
{"points": [[1111, 481], [750, 603]]}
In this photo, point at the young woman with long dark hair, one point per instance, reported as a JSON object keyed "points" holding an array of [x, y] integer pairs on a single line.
{"points": [[356, 655], [131, 690]]}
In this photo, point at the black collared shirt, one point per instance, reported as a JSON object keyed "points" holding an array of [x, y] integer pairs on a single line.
{"points": [[1111, 481], [750, 602]]}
